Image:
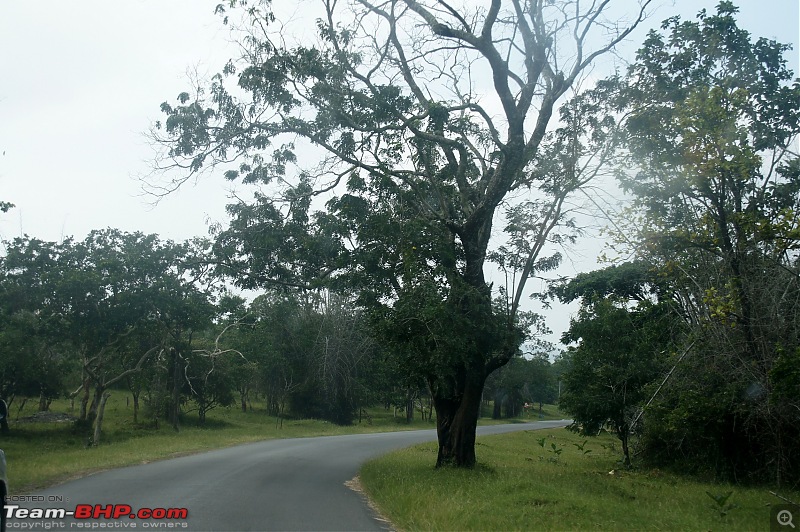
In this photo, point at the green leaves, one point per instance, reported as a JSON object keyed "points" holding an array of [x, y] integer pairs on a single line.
{"points": [[629, 280], [100, 307], [581, 447], [711, 113], [785, 376], [620, 350], [709, 91], [721, 504]]}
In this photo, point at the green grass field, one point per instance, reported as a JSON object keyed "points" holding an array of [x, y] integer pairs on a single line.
{"points": [[522, 485]]}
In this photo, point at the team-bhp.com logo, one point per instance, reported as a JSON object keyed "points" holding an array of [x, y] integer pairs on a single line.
{"points": [[91, 512]]}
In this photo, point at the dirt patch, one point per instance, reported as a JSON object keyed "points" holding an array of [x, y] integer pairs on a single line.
{"points": [[47, 417]]}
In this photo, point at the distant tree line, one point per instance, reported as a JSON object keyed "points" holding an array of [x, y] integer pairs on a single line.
{"points": [[530, 381], [131, 312]]}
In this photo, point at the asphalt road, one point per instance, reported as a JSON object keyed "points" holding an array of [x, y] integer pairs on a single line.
{"points": [[294, 484]]}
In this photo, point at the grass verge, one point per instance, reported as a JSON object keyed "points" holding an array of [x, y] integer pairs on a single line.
{"points": [[543, 480]]}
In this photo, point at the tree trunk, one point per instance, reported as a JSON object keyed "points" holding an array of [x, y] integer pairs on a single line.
{"points": [[44, 403], [513, 407], [85, 399], [457, 397], [3, 417], [21, 405], [498, 404], [456, 422], [136, 407], [409, 406], [623, 436], [175, 403], [243, 398], [98, 421], [97, 398]]}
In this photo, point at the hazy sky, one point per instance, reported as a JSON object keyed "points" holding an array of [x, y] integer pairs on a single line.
{"points": [[81, 81]]}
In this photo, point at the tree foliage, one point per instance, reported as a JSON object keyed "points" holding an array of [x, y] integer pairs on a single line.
{"points": [[712, 114], [419, 119], [130, 311], [313, 354], [622, 336], [523, 381], [106, 304]]}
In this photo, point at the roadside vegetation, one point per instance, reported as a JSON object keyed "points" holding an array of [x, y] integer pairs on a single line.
{"points": [[555, 480]]}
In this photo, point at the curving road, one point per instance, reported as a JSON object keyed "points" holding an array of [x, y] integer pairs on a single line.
{"points": [[293, 484]]}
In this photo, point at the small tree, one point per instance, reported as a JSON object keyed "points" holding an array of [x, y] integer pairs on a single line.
{"points": [[210, 382], [621, 348]]}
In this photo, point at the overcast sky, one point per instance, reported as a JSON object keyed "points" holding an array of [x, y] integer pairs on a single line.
{"points": [[82, 80]]}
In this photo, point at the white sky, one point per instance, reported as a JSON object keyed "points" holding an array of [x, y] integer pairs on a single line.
{"points": [[82, 80]]}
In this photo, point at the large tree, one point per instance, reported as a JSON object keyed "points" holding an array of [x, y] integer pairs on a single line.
{"points": [[712, 116], [34, 359], [418, 119]]}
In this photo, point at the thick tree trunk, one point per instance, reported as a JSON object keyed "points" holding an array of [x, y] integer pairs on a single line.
{"points": [[457, 399], [456, 422]]}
